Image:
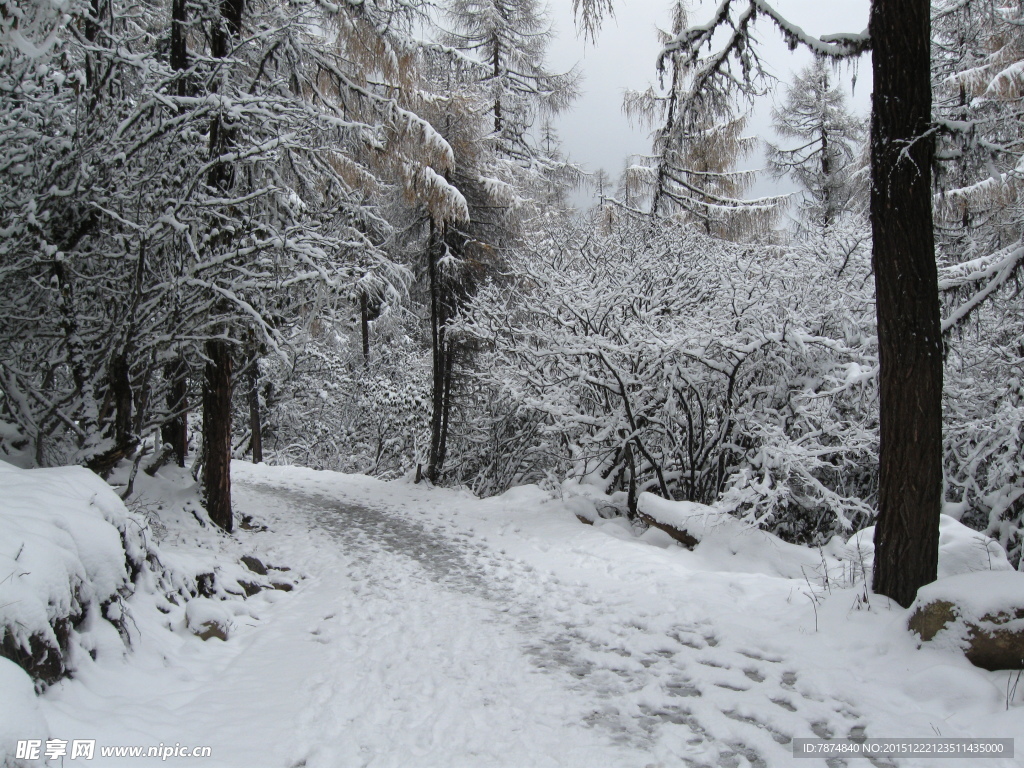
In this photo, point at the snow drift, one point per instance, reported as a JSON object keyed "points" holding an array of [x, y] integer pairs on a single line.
{"points": [[69, 550]]}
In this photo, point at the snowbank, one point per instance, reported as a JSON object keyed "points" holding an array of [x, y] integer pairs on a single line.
{"points": [[68, 549], [961, 549], [729, 544], [20, 715], [732, 545]]}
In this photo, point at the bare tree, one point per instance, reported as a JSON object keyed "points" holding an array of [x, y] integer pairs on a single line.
{"points": [[698, 139]]}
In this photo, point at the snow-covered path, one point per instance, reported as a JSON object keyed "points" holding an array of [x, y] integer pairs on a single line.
{"points": [[432, 629], [422, 661], [465, 631]]}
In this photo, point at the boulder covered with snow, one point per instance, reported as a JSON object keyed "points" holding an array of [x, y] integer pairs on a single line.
{"points": [[589, 503], [980, 614], [207, 619], [68, 549]]}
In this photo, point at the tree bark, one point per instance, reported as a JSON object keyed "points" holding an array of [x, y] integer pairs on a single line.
{"points": [[906, 284], [179, 42], [253, 399], [224, 32], [123, 397], [440, 314], [217, 387], [217, 433], [364, 324], [174, 431]]}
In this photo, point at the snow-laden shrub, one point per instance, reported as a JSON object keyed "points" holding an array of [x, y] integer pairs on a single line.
{"points": [[493, 443], [984, 436], [20, 715], [702, 370], [69, 549], [327, 408]]}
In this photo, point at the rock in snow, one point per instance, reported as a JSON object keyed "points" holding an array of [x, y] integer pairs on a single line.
{"points": [[207, 618], [980, 614]]}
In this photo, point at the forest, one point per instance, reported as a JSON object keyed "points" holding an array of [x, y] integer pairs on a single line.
{"points": [[341, 236]]}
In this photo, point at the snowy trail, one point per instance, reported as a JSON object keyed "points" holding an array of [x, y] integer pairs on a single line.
{"points": [[432, 664], [435, 630], [672, 695]]}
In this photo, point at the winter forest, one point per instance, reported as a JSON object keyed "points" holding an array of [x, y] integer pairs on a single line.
{"points": [[343, 236]]}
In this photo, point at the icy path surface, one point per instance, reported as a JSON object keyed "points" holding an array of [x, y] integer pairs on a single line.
{"points": [[435, 630]]}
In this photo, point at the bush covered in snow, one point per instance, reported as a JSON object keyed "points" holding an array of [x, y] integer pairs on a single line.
{"points": [[325, 408], [69, 551], [672, 359]]}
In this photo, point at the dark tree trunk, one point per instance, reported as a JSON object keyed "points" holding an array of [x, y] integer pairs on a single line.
{"points": [[631, 495], [222, 36], [92, 31], [364, 324], [174, 432], [121, 393], [217, 433], [826, 171], [179, 44], [217, 386], [497, 75], [906, 285], [229, 28], [252, 396], [440, 314]]}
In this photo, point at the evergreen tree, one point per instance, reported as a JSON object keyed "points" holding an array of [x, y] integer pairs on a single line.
{"points": [[509, 39], [698, 140], [815, 114]]}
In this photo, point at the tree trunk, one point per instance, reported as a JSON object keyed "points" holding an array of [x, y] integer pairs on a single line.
{"points": [[217, 387], [227, 29], [440, 357], [179, 42], [174, 432], [631, 494], [217, 433], [121, 393], [906, 286], [252, 396], [364, 324]]}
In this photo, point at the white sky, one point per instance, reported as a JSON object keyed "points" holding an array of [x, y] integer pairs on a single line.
{"points": [[596, 134]]}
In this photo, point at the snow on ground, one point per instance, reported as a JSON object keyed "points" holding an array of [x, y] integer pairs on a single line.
{"points": [[63, 534], [429, 628]]}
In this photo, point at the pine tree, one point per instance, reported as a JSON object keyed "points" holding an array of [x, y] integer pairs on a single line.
{"points": [[815, 113], [698, 140], [500, 76], [509, 39]]}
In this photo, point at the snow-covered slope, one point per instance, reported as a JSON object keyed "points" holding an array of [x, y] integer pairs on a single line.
{"points": [[68, 549]]}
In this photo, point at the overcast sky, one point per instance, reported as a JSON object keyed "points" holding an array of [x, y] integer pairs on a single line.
{"points": [[596, 134]]}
